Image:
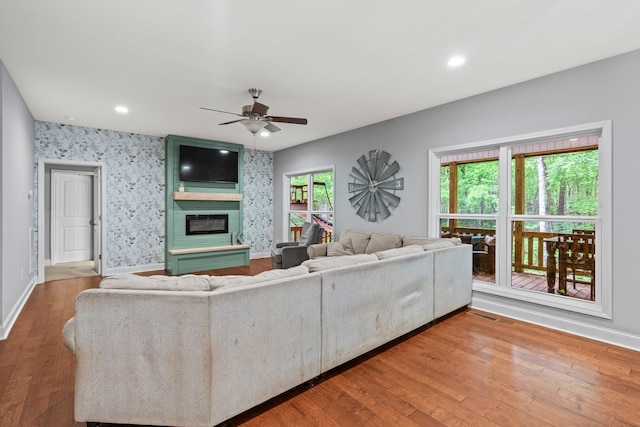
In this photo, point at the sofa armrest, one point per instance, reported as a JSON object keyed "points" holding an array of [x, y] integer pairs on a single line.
{"points": [[318, 250], [69, 334], [285, 244], [293, 256]]}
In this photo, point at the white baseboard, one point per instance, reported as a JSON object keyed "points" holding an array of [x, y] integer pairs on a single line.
{"points": [[260, 255], [134, 269], [153, 267], [47, 262], [598, 333], [7, 324]]}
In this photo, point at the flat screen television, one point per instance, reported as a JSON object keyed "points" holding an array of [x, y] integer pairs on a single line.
{"points": [[198, 164]]}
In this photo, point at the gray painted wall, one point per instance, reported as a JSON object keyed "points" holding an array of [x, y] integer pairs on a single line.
{"points": [[604, 90], [16, 183]]}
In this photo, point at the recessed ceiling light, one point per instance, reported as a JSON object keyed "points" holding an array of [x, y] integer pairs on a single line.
{"points": [[265, 134], [456, 61], [121, 109], [71, 119]]}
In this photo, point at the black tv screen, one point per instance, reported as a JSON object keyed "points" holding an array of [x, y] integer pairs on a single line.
{"points": [[199, 164]]}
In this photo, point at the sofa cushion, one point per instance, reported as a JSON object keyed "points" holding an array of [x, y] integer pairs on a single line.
{"points": [[382, 242], [188, 282], [359, 240], [340, 248], [321, 264], [233, 281], [440, 244], [395, 252]]}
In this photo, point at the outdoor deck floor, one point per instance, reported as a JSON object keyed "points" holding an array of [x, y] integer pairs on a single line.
{"points": [[538, 282]]}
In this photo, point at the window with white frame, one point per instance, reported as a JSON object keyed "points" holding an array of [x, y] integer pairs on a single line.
{"points": [[310, 199], [536, 209]]}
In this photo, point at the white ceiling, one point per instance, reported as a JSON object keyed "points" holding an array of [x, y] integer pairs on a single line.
{"points": [[342, 64]]}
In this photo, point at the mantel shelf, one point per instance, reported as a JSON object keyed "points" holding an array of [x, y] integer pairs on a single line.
{"points": [[209, 249], [187, 195]]}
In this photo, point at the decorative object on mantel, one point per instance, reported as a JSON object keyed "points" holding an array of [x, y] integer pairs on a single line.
{"points": [[375, 185], [255, 118]]}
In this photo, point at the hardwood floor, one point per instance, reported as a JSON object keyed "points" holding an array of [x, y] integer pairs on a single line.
{"points": [[472, 368]]}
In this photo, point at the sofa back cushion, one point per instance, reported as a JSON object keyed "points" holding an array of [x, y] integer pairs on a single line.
{"points": [[188, 282], [408, 241], [396, 252]]}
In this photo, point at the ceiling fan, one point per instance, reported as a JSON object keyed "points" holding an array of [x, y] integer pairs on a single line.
{"points": [[255, 117]]}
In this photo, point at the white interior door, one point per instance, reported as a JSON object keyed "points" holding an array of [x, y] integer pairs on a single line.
{"points": [[71, 216]]}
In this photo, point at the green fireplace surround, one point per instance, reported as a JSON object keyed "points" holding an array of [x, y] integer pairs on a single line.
{"points": [[188, 253]]}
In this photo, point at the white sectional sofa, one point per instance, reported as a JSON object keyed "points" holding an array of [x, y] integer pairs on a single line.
{"points": [[198, 350]]}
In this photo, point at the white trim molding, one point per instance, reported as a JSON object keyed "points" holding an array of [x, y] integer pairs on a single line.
{"points": [[602, 306], [7, 324], [598, 333]]}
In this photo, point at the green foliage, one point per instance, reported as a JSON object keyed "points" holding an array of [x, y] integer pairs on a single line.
{"points": [[572, 184], [478, 187], [570, 181], [322, 189]]}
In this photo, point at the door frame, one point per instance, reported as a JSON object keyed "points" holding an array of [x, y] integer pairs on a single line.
{"points": [[101, 215]]}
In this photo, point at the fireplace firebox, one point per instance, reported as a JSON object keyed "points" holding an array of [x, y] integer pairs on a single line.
{"points": [[207, 224]]}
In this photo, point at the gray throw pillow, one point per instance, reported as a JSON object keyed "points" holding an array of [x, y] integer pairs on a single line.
{"points": [[308, 233]]}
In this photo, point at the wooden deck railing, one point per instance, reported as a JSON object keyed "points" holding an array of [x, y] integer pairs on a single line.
{"points": [[295, 231], [528, 248]]}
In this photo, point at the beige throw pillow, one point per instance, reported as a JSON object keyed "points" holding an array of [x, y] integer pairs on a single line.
{"points": [[382, 242], [359, 240], [339, 249]]}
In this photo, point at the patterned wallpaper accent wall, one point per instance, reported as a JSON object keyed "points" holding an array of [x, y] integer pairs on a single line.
{"points": [[258, 200], [135, 189]]}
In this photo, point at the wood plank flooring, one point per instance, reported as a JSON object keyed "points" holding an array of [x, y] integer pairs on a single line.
{"points": [[473, 368]]}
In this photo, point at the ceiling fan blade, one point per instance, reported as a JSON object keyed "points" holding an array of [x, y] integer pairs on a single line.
{"points": [[259, 109], [293, 120], [272, 128], [220, 111], [232, 121]]}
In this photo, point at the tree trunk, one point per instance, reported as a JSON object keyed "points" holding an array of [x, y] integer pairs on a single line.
{"points": [[562, 196], [542, 190]]}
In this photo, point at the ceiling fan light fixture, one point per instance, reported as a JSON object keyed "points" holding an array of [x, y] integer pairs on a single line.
{"points": [[253, 125]]}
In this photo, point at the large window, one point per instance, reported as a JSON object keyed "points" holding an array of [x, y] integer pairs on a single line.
{"points": [[536, 210], [310, 199]]}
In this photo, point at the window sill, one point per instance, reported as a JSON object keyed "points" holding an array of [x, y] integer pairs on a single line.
{"points": [[589, 308]]}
